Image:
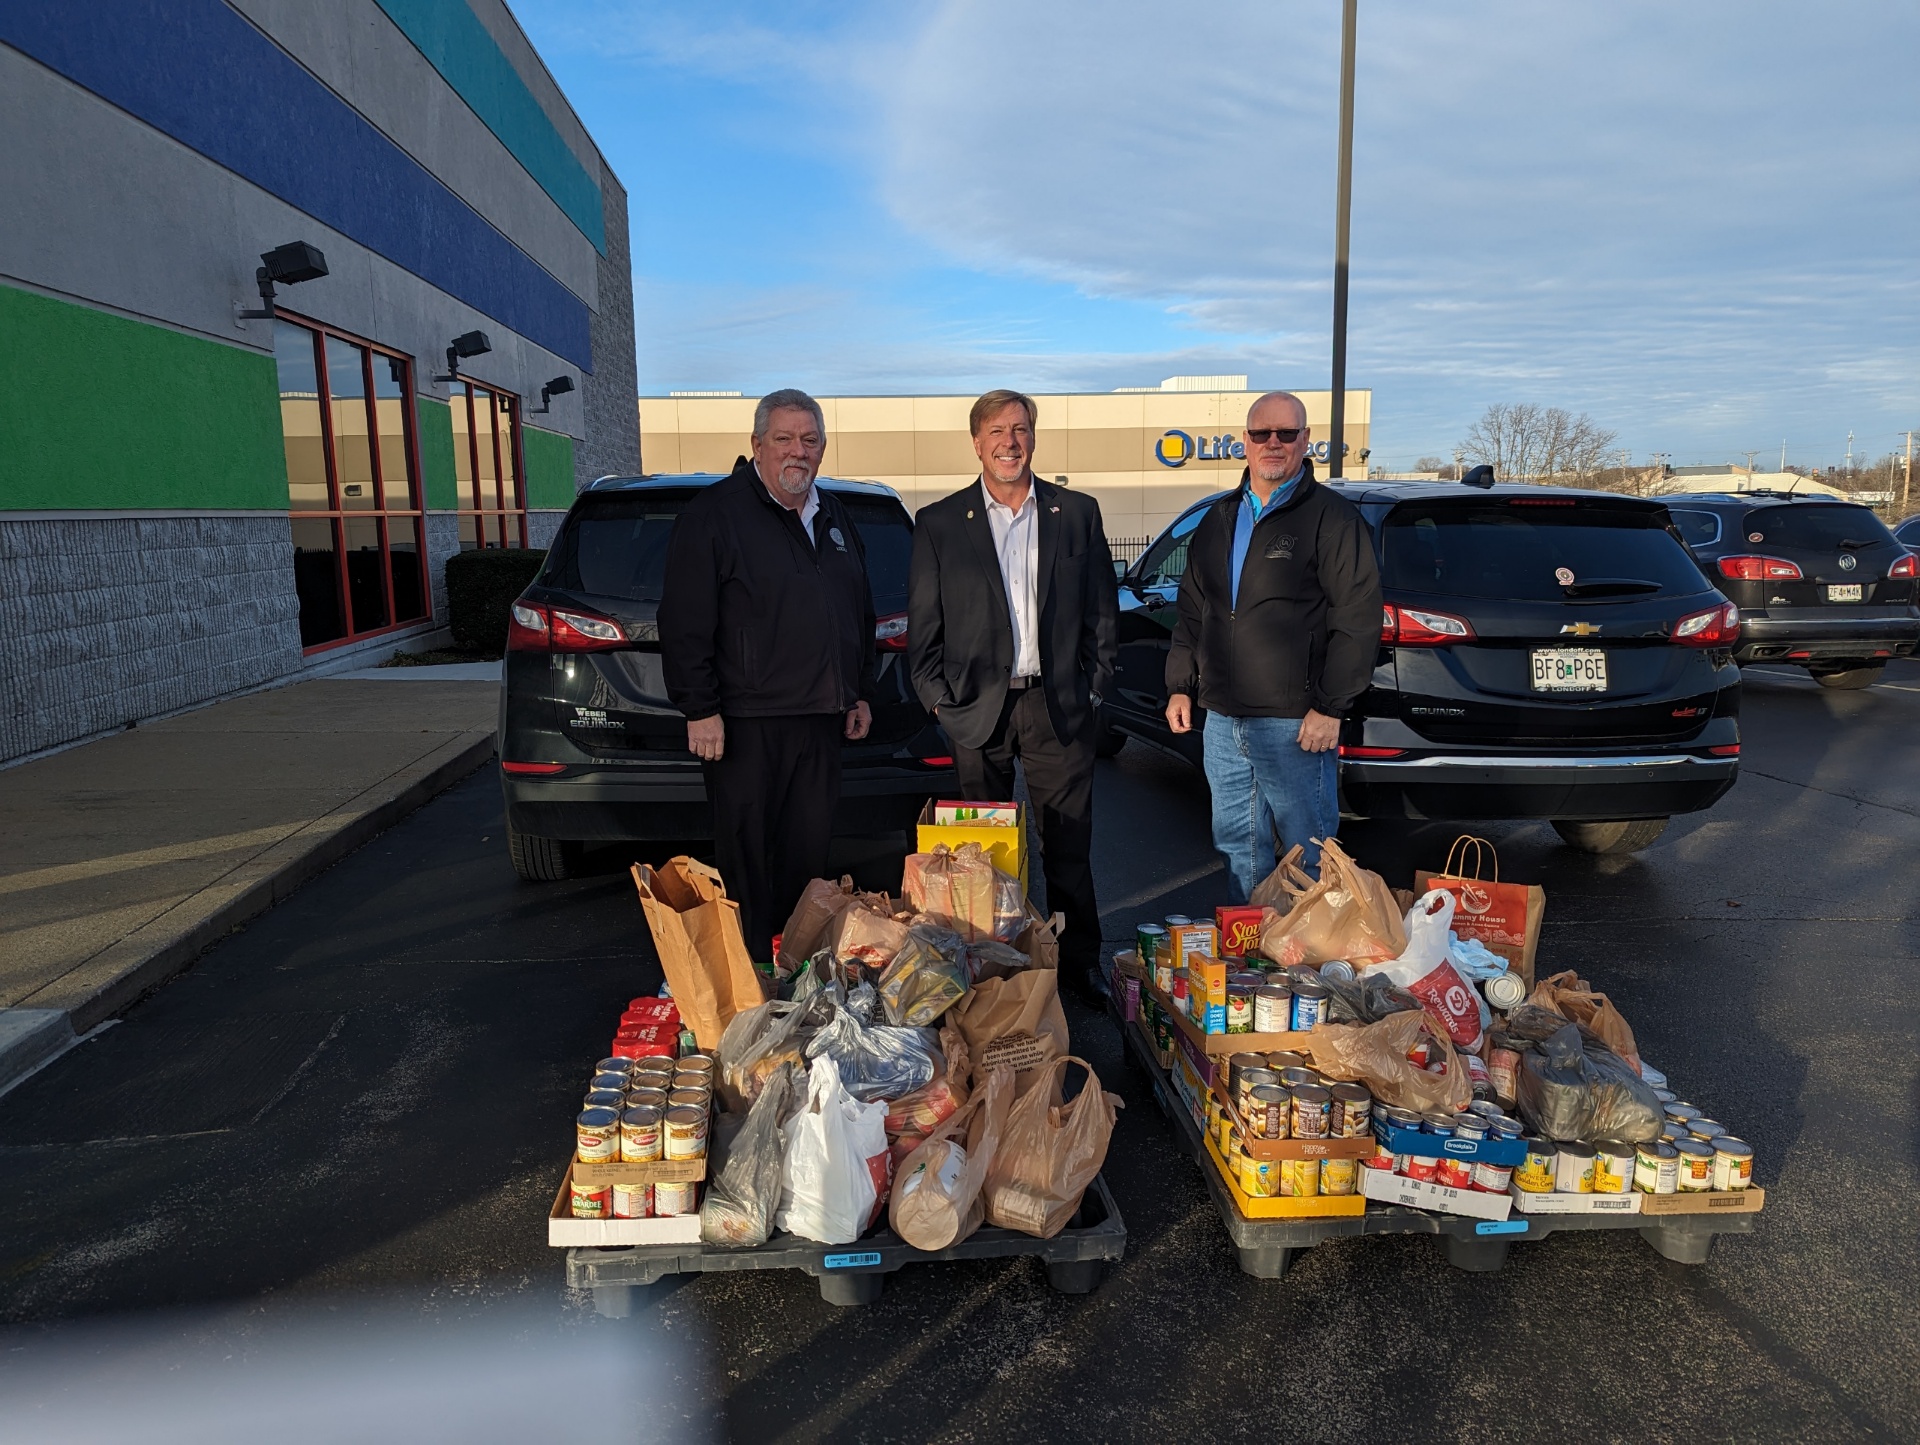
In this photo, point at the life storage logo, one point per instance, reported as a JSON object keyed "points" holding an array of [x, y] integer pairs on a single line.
{"points": [[1175, 449]]}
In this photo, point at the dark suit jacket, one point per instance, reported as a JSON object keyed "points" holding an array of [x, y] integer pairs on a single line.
{"points": [[960, 630]]}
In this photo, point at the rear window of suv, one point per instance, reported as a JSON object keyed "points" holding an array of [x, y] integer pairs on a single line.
{"points": [[1817, 527], [616, 546], [1497, 549]]}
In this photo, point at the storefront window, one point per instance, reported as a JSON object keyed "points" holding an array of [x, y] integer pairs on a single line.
{"points": [[353, 484], [486, 461]]}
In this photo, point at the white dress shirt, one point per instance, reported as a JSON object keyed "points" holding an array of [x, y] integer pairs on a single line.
{"points": [[808, 509], [1016, 538]]}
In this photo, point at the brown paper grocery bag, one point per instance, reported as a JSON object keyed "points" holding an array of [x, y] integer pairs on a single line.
{"points": [[696, 929], [1014, 1021]]}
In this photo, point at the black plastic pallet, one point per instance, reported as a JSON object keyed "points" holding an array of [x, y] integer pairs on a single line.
{"points": [[1266, 1246], [854, 1274]]}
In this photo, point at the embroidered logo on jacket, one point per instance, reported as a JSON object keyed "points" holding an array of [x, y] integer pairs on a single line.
{"points": [[1281, 547]]}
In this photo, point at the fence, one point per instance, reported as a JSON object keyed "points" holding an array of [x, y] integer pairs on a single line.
{"points": [[1127, 549]]}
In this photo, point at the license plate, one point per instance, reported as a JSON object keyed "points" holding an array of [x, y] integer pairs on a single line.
{"points": [[1569, 669], [1844, 592]]}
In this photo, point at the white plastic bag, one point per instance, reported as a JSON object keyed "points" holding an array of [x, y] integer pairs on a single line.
{"points": [[1425, 971], [836, 1168]]}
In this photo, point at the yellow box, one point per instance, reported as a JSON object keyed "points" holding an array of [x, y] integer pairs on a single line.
{"points": [[1206, 980], [1005, 847], [1318, 1206]]}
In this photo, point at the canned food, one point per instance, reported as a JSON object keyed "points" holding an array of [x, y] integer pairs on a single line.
{"points": [[1337, 1175], [1148, 940], [614, 1066], [1683, 1113], [1503, 1069], [1402, 1118], [689, 1099], [1340, 971], [1235, 1153], [1282, 1059], [672, 1199], [1452, 1173], [1486, 1109], [1259, 1178], [686, 1133], [1573, 1172], [702, 1062], [1351, 1115], [1309, 1004], [590, 1201], [1505, 1128], [604, 1080], [1732, 1163], [597, 1136], [1298, 1077], [1269, 1114], [633, 1201], [1656, 1168], [1438, 1123], [1222, 1126], [1470, 1128], [1249, 1080], [1707, 1129], [1612, 1167], [1299, 1178], [1491, 1178], [658, 1066], [1423, 1167], [1536, 1172], [1238, 1064], [649, 1098], [1177, 920], [1272, 1009], [1239, 1009], [1312, 1111], [1504, 991], [1696, 1165], [1666, 1097], [641, 1141], [604, 1099]]}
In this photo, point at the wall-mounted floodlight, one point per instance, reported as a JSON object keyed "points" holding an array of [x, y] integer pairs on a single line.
{"points": [[471, 343], [557, 387], [288, 265]]}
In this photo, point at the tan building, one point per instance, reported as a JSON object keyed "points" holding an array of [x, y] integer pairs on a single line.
{"points": [[1145, 452]]}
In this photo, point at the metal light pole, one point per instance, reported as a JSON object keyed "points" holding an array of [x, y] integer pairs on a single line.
{"points": [[1342, 228]]}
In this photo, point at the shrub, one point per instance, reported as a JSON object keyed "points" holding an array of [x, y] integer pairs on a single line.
{"points": [[481, 586]]}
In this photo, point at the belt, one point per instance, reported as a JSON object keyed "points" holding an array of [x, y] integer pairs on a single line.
{"points": [[1021, 684]]}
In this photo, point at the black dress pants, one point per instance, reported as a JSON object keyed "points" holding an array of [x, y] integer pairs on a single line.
{"points": [[1060, 785], [773, 793]]}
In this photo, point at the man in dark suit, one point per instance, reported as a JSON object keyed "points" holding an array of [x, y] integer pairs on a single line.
{"points": [[1012, 616]]}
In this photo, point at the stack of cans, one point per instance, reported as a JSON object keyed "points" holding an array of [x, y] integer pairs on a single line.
{"points": [[638, 1111], [1280, 1096], [1482, 1120]]}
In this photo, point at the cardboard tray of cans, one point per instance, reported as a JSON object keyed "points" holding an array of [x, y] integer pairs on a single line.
{"points": [[1358, 1148], [1223, 1044], [853, 1273], [566, 1232], [1266, 1246]]}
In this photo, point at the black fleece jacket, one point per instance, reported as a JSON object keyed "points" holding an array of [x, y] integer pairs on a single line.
{"points": [[1306, 630]]}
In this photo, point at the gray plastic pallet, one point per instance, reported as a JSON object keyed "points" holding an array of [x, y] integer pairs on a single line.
{"points": [[854, 1274], [1266, 1246]]}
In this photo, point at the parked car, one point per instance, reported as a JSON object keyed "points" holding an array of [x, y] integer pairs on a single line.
{"points": [[591, 750], [1820, 582], [1907, 534], [1544, 653]]}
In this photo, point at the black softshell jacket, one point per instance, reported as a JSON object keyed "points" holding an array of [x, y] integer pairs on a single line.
{"points": [[1306, 631], [756, 619]]}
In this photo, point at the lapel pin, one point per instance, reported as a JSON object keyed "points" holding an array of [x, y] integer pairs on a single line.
{"points": [[969, 514]]}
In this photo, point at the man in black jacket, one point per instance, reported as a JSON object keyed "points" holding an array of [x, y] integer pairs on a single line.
{"points": [[766, 642], [1012, 617], [1278, 629]]}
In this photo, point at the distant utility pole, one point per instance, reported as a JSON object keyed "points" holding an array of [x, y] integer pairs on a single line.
{"points": [[1906, 487], [1783, 454], [1750, 456], [1849, 453], [1342, 228]]}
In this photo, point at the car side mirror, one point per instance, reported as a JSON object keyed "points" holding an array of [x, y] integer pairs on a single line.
{"points": [[1480, 476]]}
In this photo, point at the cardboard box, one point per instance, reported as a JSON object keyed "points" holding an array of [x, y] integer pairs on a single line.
{"points": [[1223, 1044], [1391, 1188], [657, 1171], [1510, 1152], [1004, 844], [1206, 991], [948, 812], [1239, 928], [1734, 1201], [1628, 1203], [1312, 1206], [1360, 1148], [566, 1232]]}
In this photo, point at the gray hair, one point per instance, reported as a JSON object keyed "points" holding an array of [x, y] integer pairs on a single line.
{"points": [[1299, 405], [787, 397]]}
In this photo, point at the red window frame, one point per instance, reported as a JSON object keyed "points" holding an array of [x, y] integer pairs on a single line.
{"points": [[490, 521], [381, 513]]}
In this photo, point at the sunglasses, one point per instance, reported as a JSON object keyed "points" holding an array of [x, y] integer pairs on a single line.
{"points": [[1260, 436]]}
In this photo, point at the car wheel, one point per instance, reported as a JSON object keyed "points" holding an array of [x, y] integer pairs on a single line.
{"points": [[542, 860], [1851, 678], [1620, 837], [1107, 740]]}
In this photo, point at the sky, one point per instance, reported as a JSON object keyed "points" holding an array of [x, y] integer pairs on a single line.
{"points": [[1698, 223]]}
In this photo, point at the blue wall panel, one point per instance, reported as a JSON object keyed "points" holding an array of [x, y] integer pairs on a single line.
{"points": [[199, 72], [457, 45]]}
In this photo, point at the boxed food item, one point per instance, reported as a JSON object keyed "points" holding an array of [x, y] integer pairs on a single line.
{"points": [[1628, 1203], [1002, 834], [1238, 926], [1390, 1188]]}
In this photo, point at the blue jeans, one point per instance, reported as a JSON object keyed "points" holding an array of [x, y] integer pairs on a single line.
{"points": [[1260, 778]]}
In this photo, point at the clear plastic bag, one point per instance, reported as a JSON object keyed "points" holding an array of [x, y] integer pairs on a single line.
{"points": [[911, 1117], [1049, 1151], [868, 939], [756, 1044], [921, 983], [876, 1061], [962, 889], [739, 1208], [991, 959], [1574, 1088]]}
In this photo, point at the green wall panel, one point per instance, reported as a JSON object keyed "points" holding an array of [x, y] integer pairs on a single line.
{"points": [[103, 412], [549, 457], [436, 453]]}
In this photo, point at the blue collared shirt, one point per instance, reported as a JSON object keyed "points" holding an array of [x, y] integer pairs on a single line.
{"points": [[1250, 512]]}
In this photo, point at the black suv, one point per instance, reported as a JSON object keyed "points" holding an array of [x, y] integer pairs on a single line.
{"points": [[1820, 582], [590, 748], [1544, 653]]}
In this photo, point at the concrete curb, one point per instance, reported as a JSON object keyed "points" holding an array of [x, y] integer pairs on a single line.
{"points": [[119, 974]]}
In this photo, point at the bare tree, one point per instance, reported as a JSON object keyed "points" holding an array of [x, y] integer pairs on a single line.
{"points": [[1439, 466], [1524, 441]]}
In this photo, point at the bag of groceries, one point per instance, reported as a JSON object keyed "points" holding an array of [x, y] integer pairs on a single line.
{"points": [[696, 931], [835, 1167], [1014, 1021], [1505, 917], [812, 920], [1567, 996], [868, 939], [1049, 1152], [756, 1044], [1426, 971], [913, 1116], [876, 1061], [1574, 1088], [739, 1207], [1377, 1055], [1348, 913], [937, 1195], [921, 982], [962, 889]]}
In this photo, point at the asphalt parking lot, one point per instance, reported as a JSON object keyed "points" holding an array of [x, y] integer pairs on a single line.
{"points": [[366, 1094]]}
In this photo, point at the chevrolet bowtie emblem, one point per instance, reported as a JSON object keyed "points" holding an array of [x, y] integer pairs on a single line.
{"points": [[1581, 629]]}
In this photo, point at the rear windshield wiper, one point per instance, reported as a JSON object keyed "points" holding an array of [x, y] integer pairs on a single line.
{"points": [[1847, 544], [1610, 587]]}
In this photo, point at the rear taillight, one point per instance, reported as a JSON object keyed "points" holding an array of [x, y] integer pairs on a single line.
{"points": [[1363, 753], [1759, 569], [1716, 627], [1905, 567], [534, 769], [534, 628], [890, 633], [1411, 627], [1725, 750]]}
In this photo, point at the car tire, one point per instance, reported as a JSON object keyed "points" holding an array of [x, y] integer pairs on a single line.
{"points": [[1626, 836], [1107, 740], [1851, 678], [542, 860]]}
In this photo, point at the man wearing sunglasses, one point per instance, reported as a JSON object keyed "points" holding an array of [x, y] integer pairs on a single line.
{"points": [[1278, 627]]}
